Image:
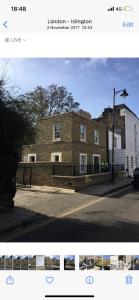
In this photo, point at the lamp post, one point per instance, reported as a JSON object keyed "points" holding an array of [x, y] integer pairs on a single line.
{"points": [[123, 93]]}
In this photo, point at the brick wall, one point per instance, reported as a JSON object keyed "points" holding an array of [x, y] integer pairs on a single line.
{"points": [[44, 151], [80, 182], [119, 121], [88, 147], [70, 144], [45, 128], [42, 174]]}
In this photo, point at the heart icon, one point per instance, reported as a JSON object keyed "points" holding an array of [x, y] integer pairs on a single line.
{"points": [[49, 280]]}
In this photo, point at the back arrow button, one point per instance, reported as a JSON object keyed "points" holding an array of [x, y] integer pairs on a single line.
{"points": [[5, 24]]}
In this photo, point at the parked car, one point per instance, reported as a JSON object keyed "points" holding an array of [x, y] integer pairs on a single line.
{"points": [[135, 178]]}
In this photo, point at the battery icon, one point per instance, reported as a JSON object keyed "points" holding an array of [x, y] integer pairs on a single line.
{"points": [[128, 8]]}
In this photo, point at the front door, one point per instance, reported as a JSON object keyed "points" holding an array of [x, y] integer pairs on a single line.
{"points": [[96, 163]]}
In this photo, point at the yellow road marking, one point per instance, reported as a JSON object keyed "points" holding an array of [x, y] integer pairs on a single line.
{"points": [[56, 217]]}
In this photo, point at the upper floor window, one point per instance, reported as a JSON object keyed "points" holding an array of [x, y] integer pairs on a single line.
{"points": [[82, 133], [96, 136], [56, 132], [135, 131]]}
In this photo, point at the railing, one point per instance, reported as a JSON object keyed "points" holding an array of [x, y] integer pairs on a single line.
{"points": [[25, 177], [80, 170]]}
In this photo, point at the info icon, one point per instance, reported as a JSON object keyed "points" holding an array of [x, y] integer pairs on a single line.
{"points": [[89, 279]]}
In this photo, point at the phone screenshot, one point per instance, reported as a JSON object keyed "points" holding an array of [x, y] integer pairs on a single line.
{"points": [[69, 149]]}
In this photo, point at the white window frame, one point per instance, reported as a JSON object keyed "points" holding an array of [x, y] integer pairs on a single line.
{"points": [[53, 154], [98, 155], [83, 172], [25, 158], [96, 136], [84, 129], [54, 138], [32, 154]]}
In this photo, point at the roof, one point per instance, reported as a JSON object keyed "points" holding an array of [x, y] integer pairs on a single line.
{"points": [[121, 106], [75, 113]]}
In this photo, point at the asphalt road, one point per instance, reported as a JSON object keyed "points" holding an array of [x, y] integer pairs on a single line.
{"points": [[85, 218]]}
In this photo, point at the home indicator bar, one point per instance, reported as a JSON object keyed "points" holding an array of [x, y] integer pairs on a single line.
{"points": [[69, 296]]}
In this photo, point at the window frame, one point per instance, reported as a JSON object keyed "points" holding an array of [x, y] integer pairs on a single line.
{"points": [[53, 154], [82, 139], [32, 154], [54, 133], [96, 136], [83, 171]]}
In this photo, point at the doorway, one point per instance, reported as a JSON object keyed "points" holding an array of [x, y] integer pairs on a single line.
{"points": [[96, 163]]}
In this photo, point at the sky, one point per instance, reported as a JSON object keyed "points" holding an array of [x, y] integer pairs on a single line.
{"points": [[90, 80], [105, 257], [71, 257]]}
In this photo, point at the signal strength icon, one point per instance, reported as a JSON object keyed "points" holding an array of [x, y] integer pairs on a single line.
{"points": [[111, 9]]}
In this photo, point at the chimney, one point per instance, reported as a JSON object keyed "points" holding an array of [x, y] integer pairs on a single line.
{"points": [[85, 114]]}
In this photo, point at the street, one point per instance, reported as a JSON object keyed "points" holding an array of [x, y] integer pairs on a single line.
{"points": [[79, 217]]}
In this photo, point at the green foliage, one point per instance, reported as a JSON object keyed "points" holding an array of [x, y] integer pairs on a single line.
{"points": [[3, 91], [104, 166], [15, 130], [42, 102]]}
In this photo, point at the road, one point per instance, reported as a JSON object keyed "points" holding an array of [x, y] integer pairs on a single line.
{"points": [[81, 217]]}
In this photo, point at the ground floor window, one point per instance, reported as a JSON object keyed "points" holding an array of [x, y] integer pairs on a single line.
{"points": [[96, 163], [31, 157], [56, 157], [83, 163]]}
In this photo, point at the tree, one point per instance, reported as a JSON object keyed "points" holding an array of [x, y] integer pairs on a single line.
{"points": [[3, 91], [43, 102], [15, 130]]}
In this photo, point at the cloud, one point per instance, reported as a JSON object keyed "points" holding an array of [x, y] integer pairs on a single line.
{"points": [[94, 62], [67, 61], [102, 61]]}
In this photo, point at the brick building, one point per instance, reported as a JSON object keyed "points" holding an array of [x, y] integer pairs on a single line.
{"points": [[126, 125], [69, 137]]}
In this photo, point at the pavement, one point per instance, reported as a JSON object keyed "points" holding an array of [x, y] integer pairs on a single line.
{"points": [[108, 187], [31, 205], [97, 189], [47, 189]]}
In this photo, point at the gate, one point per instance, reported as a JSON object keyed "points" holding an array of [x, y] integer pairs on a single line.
{"points": [[25, 177]]}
